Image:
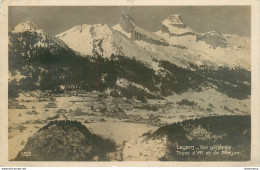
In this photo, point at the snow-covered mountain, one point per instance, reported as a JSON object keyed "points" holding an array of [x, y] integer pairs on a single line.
{"points": [[26, 26], [39, 37], [100, 39], [125, 56], [33, 53], [175, 27], [175, 42], [28, 43], [209, 47]]}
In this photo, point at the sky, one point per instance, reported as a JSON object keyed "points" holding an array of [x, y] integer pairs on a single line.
{"points": [[54, 20]]}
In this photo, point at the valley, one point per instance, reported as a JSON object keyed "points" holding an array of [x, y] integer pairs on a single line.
{"points": [[119, 119]]}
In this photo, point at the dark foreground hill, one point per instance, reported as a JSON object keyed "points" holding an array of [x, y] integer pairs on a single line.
{"points": [[218, 138], [65, 141]]}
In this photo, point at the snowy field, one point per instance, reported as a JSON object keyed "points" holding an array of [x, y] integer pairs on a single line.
{"points": [[120, 119]]}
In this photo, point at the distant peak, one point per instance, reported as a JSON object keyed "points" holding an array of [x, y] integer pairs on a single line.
{"points": [[175, 20], [26, 26], [173, 24]]}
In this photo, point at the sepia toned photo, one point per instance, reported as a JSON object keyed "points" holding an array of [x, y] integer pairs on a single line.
{"points": [[129, 83]]}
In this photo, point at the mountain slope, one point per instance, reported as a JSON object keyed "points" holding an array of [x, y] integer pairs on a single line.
{"points": [[98, 57], [39, 39], [40, 59], [176, 43], [100, 39], [202, 139]]}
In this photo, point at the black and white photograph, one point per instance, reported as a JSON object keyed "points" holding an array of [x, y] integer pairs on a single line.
{"points": [[129, 83]]}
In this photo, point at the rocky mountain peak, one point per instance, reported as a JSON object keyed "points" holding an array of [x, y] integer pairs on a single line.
{"points": [[127, 27], [173, 24], [126, 22], [174, 20]]}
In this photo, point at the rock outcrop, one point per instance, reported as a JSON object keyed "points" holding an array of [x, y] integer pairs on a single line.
{"points": [[175, 27], [143, 35], [212, 38], [126, 25]]}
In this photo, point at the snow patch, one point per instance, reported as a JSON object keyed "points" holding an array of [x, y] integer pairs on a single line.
{"points": [[122, 83]]}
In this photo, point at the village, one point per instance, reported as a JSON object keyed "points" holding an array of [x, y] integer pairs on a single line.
{"points": [[116, 118]]}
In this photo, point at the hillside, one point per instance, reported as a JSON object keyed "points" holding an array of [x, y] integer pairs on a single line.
{"points": [[66, 141], [214, 138], [209, 131], [153, 65]]}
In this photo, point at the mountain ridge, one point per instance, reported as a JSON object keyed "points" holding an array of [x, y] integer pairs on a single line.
{"points": [[153, 70], [210, 47]]}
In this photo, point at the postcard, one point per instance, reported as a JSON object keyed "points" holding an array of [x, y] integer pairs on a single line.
{"points": [[126, 83]]}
